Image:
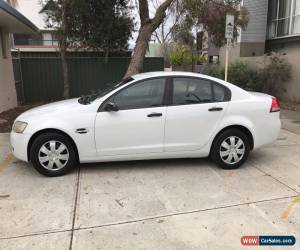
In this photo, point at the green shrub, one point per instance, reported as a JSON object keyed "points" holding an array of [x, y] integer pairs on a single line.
{"points": [[188, 58], [270, 79], [274, 75], [243, 75], [199, 59], [181, 56], [214, 70], [239, 73]]}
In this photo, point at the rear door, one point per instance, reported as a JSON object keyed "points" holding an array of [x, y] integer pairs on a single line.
{"points": [[197, 106]]}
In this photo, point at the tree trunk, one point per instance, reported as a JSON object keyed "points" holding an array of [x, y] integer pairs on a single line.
{"points": [[140, 49], [148, 26], [106, 55], [63, 53]]}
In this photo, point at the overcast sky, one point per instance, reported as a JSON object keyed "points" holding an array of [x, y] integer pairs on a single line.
{"points": [[31, 9]]}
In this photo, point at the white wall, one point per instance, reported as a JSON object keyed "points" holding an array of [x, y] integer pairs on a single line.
{"points": [[8, 96], [233, 56], [292, 51]]}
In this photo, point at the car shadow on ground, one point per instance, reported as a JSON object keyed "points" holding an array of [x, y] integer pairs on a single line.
{"points": [[150, 164]]}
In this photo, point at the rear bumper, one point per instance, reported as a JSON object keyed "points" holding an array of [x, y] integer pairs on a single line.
{"points": [[269, 131], [19, 144]]}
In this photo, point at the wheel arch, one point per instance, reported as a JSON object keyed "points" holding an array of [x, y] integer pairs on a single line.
{"points": [[49, 130], [242, 128]]}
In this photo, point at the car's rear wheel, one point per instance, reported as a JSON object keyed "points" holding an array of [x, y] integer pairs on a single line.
{"points": [[53, 154], [230, 149]]}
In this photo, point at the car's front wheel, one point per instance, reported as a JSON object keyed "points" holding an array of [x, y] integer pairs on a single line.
{"points": [[230, 149], [53, 154]]}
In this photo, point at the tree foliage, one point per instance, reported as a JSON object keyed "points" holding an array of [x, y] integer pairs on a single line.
{"points": [[96, 24], [88, 24], [185, 17], [211, 15], [105, 25], [182, 32]]}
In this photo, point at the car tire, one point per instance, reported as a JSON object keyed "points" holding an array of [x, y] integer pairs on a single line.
{"points": [[230, 149], [53, 154]]}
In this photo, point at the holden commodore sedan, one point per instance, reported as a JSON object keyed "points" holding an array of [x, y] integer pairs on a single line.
{"points": [[156, 115]]}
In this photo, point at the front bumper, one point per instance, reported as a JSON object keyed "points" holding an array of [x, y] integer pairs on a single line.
{"points": [[19, 144]]}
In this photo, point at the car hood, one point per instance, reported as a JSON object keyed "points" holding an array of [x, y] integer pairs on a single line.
{"points": [[67, 106]]}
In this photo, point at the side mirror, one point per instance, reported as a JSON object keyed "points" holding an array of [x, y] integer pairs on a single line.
{"points": [[110, 106]]}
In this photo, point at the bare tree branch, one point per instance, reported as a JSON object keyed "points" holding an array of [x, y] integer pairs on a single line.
{"points": [[172, 17], [157, 37], [160, 13]]}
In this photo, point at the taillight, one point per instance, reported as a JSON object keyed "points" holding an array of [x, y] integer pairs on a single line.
{"points": [[275, 105]]}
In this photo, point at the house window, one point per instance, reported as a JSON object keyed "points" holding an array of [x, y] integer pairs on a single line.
{"points": [[283, 18], [49, 39]]}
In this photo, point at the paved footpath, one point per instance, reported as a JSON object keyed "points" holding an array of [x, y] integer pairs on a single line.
{"points": [[166, 204]]}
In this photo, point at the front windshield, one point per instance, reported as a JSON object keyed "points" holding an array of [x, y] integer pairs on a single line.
{"points": [[87, 99]]}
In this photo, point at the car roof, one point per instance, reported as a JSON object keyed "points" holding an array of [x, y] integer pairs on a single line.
{"points": [[168, 73]]}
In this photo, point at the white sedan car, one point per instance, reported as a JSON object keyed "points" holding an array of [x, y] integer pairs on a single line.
{"points": [[154, 115]]}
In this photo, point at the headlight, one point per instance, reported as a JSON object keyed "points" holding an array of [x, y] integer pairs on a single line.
{"points": [[19, 127]]}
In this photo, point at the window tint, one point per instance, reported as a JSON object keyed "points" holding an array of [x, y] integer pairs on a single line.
{"points": [[191, 91], [145, 94], [220, 93]]}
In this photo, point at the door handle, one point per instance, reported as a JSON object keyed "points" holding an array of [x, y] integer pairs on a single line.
{"points": [[155, 115], [214, 109]]}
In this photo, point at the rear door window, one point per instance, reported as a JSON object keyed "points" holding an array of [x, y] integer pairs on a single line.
{"points": [[191, 91]]}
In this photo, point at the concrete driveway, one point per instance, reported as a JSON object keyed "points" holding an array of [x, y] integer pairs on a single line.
{"points": [[170, 204]]}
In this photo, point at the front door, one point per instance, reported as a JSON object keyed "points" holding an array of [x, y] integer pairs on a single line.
{"points": [[138, 126]]}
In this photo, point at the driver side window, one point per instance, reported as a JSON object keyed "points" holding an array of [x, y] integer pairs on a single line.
{"points": [[146, 94]]}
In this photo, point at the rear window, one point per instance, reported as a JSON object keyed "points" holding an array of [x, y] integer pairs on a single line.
{"points": [[220, 93]]}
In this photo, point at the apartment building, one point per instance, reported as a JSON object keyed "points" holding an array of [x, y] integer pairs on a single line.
{"points": [[274, 25]]}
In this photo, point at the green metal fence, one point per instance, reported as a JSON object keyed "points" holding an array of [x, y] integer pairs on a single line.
{"points": [[42, 78]]}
